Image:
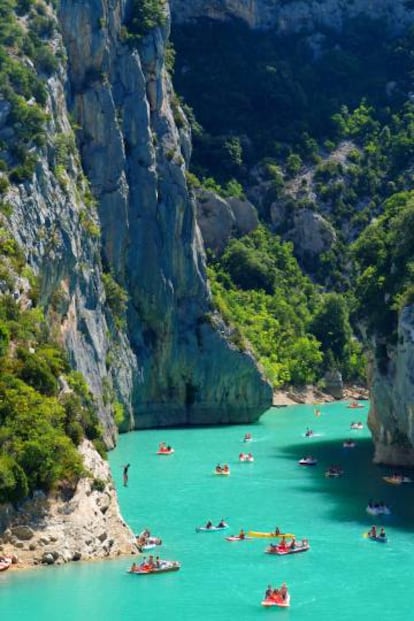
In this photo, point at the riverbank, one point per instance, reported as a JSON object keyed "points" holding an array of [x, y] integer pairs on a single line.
{"points": [[310, 395]]}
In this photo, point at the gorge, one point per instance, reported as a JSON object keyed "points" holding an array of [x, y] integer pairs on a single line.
{"points": [[96, 193]]}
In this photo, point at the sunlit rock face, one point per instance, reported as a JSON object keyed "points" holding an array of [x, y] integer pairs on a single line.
{"points": [[391, 416]]}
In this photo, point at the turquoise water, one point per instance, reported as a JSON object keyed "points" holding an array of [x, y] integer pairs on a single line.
{"points": [[344, 576]]}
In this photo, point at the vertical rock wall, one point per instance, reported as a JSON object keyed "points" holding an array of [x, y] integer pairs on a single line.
{"points": [[185, 371], [391, 416]]}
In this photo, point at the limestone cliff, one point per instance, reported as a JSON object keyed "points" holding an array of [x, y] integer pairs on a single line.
{"points": [[391, 417], [293, 16], [165, 359]]}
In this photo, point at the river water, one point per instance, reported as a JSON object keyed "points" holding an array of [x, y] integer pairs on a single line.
{"points": [[344, 576]]}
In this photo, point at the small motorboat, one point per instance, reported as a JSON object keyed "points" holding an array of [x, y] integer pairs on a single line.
{"points": [[211, 529], [397, 479], [161, 568], [283, 550], [308, 461], [248, 437], [5, 563], [246, 457], [354, 405]]}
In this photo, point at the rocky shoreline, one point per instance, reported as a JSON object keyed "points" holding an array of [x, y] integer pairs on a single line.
{"points": [[309, 395], [51, 530]]}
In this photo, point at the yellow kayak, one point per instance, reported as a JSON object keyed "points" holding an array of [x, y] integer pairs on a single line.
{"points": [[256, 533]]}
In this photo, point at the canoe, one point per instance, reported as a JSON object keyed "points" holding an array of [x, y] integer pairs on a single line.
{"points": [[257, 533], [170, 452], [212, 529], [282, 603], [284, 551], [222, 474], [165, 566], [237, 538]]}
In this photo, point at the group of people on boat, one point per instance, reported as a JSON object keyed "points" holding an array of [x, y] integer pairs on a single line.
{"points": [[309, 432], [357, 425], [222, 469], [377, 508], [147, 564], [163, 447], [221, 524], [374, 534], [246, 457], [334, 470], [277, 594], [144, 538]]}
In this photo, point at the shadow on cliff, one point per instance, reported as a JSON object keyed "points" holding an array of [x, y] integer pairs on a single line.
{"points": [[362, 481]]}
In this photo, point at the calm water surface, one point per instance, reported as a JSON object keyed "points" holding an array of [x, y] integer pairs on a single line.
{"points": [[344, 576]]}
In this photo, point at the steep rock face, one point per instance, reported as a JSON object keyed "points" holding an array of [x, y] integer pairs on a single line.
{"points": [[134, 155], [294, 16], [391, 416]]}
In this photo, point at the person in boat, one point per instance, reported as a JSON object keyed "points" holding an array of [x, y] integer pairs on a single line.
{"points": [[225, 468], [209, 524], [276, 595], [157, 562], [268, 592], [143, 563], [382, 533], [284, 591], [247, 436], [132, 570], [283, 542], [219, 468], [304, 543], [241, 456], [242, 534], [309, 432], [221, 524], [273, 547], [249, 456], [372, 532], [293, 544]]}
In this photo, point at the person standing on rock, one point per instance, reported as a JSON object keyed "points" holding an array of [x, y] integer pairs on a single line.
{"points": [[126, 474]]}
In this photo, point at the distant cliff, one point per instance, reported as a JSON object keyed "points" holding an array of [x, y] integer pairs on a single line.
{"points": [[292, 15]]}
